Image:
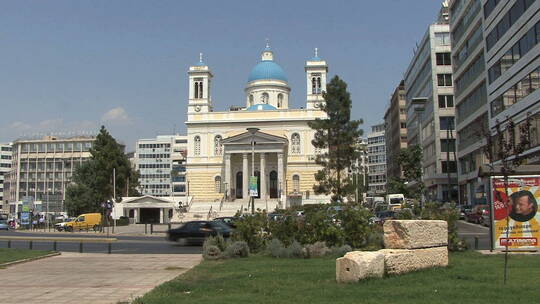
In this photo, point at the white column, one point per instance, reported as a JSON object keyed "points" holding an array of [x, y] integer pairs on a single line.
{"points": [[228, 174], [263, 175], [245, 175], [136, 215], [281, 180], [161, 217]]}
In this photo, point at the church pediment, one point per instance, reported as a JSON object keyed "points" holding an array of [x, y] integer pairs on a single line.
{"points": [[260, 138], [146, 200]]}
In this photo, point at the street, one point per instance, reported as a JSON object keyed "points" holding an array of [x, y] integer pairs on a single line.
{"points": [[469, 231], [124, 245]]}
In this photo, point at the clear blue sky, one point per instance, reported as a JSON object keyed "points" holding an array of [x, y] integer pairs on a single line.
{"points": [[69, 66]]}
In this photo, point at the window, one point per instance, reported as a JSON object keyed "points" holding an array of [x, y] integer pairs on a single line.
{"points": [[217, 184], [316, 83], [197, 145], [446, 122], [448, 145], [446, 101], [218, 146], [296, 183], [198, 88], [264, 97], [442, 38], [250, 99], [444, 80], [515, 12], [295, 143], [443, 59], [448, 164], [403, 125], [280, 100]]}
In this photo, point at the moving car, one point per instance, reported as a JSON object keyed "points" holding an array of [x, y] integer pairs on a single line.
{"points": [[227, 220], [476, 214], [197, 231], [4, 224], [85, 221], [61, 226]]}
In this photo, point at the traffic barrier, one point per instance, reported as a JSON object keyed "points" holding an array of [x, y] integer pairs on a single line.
{"points": [[56, 240]]}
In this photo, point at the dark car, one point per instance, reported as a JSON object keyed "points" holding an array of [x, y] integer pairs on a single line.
{"points": [[227, 220], [382, 216], [197, 231], [476, 214]]}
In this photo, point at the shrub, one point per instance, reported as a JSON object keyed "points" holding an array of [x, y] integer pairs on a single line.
{"points": [[252, 229], [275, 248], [316, 250], [238, 249], [295, 250], [211, 252], [217, 241], [433, 211], [339, 251], [355, 225]]}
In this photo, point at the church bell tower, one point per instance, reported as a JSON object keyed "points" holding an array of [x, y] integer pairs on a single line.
{"points": [[200, 77], [316, 71]]}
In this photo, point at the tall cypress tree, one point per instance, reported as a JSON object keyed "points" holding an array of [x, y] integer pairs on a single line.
{"points": [[337, 136], [93, 180]]}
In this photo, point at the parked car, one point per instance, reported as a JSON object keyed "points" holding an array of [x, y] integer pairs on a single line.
{"points": [[227, 220], [197, 231], [84, 222], [4, 225], [476, 214], [382, 216]]}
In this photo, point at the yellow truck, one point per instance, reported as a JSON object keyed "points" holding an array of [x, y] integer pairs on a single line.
{"points": [[85, 221]]}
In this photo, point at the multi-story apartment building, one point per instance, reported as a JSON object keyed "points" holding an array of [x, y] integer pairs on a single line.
{"points": [[395, 121], [376, 153], [5, 167], [429, 78], [512, 54], [42, 169], [468, 64], [162, 166]]}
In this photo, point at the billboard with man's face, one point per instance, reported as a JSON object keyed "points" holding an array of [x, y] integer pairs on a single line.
{"points": [[520, 207]]}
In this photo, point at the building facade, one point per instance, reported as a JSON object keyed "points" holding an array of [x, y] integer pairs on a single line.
{"points": [[266, 138], [161, 163], [429, 78], [468, 63], [512, 53], [41, 170], [5, 167], [395, 122], [376, 154]]}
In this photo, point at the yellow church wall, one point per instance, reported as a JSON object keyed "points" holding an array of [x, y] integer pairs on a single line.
{"points": [[307, 177], [202, 184]]}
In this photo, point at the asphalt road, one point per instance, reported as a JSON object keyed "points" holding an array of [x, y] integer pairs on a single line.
{"points": [[469, 231], [125, 244]]}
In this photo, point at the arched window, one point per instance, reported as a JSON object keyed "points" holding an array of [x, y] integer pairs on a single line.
{"points": [[197, 146], [217, 184], [200, 89], [280, 100], [196, 87], [314, 85], [218, 146], [295, 143], [250, 100], [318, 85], [264, 97], [296, 183]]}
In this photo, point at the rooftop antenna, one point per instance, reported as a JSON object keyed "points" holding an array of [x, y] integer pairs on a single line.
{"points": [[316, 52], [267, 43], [200, 58]]}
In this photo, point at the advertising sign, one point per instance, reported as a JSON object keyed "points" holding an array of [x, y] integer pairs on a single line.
{"points": [[253, 186], [520, 207], [25, 218]]}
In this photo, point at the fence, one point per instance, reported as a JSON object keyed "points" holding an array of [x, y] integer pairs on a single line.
{"points": [[56, 240]]}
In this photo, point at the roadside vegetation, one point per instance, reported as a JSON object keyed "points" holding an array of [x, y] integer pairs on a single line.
{"points": [[470, 278], [11, 255]]}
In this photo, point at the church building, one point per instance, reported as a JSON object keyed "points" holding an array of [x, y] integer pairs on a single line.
{"points": [[265, 138]]}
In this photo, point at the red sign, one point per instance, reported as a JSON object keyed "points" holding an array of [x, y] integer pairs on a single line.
{"points": [[519, 241]]}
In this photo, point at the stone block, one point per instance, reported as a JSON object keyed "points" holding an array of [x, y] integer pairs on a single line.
{"points": [[358, 265], [399, 261], [412, 234]]}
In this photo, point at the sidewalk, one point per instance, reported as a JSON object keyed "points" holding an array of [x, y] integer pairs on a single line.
{"points": [[91, 277]]}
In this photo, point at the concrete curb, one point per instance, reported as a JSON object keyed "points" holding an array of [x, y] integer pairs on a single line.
{"points": [[30, 259]]}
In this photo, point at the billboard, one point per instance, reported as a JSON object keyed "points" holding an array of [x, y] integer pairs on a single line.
{"points": [[520, 207]]}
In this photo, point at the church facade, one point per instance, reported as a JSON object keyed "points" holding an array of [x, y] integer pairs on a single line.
{"points": [[266, 138]]}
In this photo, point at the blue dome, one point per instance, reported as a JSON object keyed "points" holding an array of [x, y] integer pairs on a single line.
{"points": [[267, 70], [261, 107]]}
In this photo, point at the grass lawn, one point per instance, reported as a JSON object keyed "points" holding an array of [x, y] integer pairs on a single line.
{"points": [[10, 255], [470, 278]]}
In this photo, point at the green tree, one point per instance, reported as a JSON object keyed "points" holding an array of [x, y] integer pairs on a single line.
{"points": [[93, 180], [337, 135], [410, 160]]}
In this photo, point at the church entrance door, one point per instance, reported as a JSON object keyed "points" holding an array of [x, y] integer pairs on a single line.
{"points": [[273, 184], [239, 182]]}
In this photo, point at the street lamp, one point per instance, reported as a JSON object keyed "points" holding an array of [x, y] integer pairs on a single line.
{"points": [[252, 131]]}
